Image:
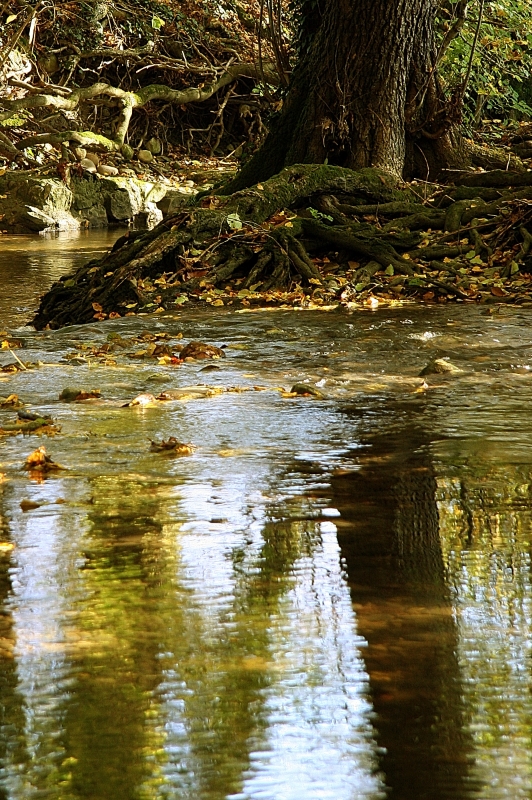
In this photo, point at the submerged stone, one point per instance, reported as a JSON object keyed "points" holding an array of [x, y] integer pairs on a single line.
{"points": [[440, 366], [305, 389]]}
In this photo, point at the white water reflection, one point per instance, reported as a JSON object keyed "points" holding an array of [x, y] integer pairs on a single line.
{"points": [[319, 742], [297, 644], [44, 592]]}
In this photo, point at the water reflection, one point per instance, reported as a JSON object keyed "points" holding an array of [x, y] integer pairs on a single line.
{"points": [[389, 536], [328, 598], [30, 264], [487, 538], [160, 654]]}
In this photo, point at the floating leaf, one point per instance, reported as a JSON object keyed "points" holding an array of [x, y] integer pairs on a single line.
{"points": [[172, 445], [29, 505]]}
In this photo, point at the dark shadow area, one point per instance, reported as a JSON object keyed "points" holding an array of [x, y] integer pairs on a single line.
{"points": [[389, 538]]}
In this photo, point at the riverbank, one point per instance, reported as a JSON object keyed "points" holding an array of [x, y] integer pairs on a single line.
{"points": [[317, 236], [31, 202]]}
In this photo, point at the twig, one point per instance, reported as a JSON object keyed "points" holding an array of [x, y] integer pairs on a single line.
{"points": [[473, 48], [17, 358]]}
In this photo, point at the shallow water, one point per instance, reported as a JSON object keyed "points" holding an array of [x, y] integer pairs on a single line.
{"points": [[30, 264], [328, 599]]}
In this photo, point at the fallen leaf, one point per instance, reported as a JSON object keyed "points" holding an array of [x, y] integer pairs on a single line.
{"points": [[29, 505], [39, 460], [69, 395], [172, 445]]}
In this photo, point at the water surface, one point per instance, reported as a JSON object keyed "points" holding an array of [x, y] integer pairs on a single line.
{"points": [[30, 264], [328, 599]]}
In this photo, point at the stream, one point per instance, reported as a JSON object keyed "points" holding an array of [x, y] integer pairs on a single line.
{"points": [[330, 599]]}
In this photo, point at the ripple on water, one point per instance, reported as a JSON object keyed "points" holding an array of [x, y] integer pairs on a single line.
{"points": [[186, 626]]}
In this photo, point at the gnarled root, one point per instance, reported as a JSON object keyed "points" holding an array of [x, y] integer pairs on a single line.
{"points": [[245, 244]]}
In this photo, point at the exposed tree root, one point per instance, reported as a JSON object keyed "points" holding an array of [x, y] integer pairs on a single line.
{"points": [[67, 99], [276, 242]]}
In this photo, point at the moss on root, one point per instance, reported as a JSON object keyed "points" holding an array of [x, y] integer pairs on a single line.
{"points": [[314, 233]]}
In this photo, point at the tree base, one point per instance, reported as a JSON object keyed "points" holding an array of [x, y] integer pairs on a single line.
{"points": [[320, 234]]}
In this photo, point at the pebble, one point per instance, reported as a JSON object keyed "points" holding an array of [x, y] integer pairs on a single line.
{"points": [[88, 164], [145, 156], [440, 366], [154, 146], [107, 169], [94, 157]]}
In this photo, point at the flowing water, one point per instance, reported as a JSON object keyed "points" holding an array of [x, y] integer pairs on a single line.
{"points": [[329, 600]]}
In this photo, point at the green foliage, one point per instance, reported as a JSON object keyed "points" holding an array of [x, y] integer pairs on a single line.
{"points": [[320, 216], [501, 66]]}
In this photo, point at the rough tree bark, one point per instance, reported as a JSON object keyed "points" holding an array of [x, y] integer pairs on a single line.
{"points": [[364, 93]]}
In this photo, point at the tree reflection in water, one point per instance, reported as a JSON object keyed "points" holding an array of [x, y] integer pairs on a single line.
{"points": [[389, 537]]}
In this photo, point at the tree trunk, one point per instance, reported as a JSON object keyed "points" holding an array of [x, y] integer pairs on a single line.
{"points": [[364, 87]]}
